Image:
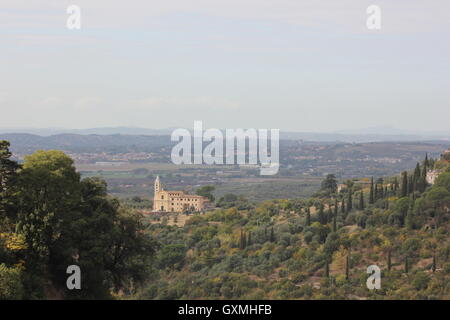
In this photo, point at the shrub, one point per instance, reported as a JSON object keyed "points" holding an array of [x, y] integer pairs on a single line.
{"points": [[10, 283]]}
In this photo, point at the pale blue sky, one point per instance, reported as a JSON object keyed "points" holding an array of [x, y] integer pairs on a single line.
{"points": [[289, 64]]}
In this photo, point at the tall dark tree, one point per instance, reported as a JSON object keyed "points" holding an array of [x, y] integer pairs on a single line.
{"points": [[376, 195], [350, 200], [417, 172], [272, 235], [361, 200], [426, 164], [396, 185], [411, 184], [308, 216], [404, 187], [335, 214], [334, 222], [242, 241], [321, 215], [8, 173], [330, 214], [433, 266], [371, 193], [347, 268]]}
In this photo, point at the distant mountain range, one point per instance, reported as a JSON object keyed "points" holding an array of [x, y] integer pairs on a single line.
{"points": [[98, 131], [119, 137], [78, 143]]}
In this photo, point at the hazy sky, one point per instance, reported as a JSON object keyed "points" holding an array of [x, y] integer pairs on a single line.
{"points": [[289, 64]]}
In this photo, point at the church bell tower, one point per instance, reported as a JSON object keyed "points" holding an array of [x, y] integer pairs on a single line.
{"points": [[157, 186]]}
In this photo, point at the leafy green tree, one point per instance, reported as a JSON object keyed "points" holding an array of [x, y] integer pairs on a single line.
{"points": [[207, 192], [402, 206], [438, 198], [329, 185], [8, 173], [66, 221], [331, 244], [443, 180], [48, 201]]}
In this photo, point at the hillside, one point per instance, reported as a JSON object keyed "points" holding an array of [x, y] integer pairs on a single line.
{"points": [[317, 248]]}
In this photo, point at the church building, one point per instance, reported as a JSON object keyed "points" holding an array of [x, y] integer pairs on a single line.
{"points": [[176, 201]]}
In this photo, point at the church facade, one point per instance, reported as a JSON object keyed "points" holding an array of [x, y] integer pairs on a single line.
{"points": [[176, 201]]}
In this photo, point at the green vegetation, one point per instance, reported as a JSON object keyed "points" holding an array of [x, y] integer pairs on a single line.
{"points": [[206, 191], [315, 248], [51, 219]]}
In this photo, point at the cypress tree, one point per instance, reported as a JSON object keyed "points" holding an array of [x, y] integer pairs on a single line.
{"points": [[376, 192], [417, 172], [371, 198], [361, 201], [410, 184], [330, 214], [404, 188], [308, 217], [343, 209], [327, 269], [389, 262], [426, 163], [335, 223], [321, 215], [241, 241], [409, 219], [433, 267], [347, 268], [349, 201], [335, 215], [249, 239], [272, 235]]}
